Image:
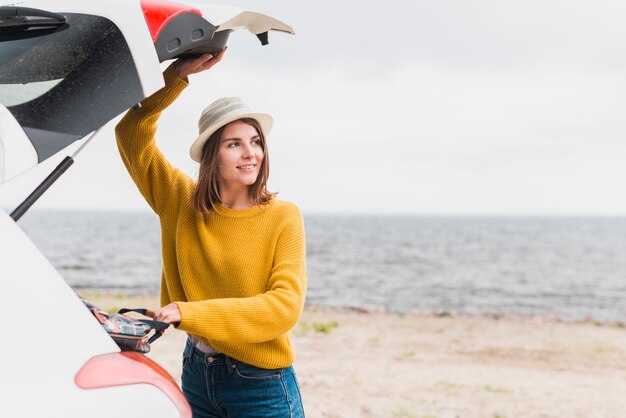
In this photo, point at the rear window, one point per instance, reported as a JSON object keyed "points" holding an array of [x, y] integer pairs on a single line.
{"points": [[64, 84], [15, 94]]}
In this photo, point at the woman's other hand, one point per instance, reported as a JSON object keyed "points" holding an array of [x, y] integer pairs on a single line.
{"points": [[186, 66], [169, 314]]}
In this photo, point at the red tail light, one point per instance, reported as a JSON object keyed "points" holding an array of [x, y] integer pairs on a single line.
{"points": [[129, 368], [159, 12]]}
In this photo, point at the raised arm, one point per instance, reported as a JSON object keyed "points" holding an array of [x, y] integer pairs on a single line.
{"points": [[149, 169]]}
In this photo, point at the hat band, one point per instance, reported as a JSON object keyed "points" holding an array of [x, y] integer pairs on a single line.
{"points": [[211, 118]]}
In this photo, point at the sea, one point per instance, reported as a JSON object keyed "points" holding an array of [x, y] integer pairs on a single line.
{"points": [[573, 268]]}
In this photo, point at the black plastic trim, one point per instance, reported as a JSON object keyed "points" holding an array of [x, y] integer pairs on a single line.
{"points": [[263, 37], [8, 11], [189, 34], [47, 142], [25, 22]]}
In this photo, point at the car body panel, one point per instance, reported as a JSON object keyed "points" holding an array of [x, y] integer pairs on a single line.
{"points": [[48, 336]]}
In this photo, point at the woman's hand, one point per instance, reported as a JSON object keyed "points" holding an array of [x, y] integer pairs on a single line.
{"points": [[169, 314], [186, 66]]}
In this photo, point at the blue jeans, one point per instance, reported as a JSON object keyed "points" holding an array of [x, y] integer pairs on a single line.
{"points": [[220, 386]]}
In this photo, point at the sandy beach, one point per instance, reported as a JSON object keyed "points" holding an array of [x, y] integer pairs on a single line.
{"points": [[352, 363]]}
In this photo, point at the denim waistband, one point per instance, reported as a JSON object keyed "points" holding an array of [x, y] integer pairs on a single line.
{"points": [[201, 345], [192, 352]]}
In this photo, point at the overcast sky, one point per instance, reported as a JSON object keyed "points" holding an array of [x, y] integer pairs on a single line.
{"points": [[425, 107]]}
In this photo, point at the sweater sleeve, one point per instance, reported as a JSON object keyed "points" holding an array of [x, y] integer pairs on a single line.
{"points": [[151, 172], [263, 317]]}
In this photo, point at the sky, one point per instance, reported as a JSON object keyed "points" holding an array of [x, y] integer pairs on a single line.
{"points": [[448, 107]]}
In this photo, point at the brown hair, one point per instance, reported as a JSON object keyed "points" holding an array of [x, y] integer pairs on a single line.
{"points": [[207, 193]]}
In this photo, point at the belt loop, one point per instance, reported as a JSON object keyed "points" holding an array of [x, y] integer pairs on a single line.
{"points": [[192, 354], [230, 365], [189, 349]]}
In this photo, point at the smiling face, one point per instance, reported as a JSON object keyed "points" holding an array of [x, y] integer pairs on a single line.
{"points": [[234, 167], [239, 156]]}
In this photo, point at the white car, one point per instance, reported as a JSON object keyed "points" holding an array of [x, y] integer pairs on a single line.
{"points": [[67, 68]]}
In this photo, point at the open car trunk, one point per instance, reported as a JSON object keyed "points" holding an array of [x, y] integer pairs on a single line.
{"points": [[68, 67]]}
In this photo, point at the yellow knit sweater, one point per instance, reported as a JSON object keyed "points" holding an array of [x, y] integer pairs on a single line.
{"points": [[237, 276]]}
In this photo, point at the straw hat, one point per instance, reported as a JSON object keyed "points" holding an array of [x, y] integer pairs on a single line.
{"points": [[221, 112]]}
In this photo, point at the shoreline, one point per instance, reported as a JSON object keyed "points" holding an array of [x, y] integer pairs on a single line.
{"points": [[538, 319], [355, 363]]}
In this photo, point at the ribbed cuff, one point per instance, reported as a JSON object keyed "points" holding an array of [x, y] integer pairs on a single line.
{"points": [[186, 315], [172, 79]]}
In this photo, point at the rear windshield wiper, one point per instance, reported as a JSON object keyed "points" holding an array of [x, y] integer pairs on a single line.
{"points": [[26, 22]]}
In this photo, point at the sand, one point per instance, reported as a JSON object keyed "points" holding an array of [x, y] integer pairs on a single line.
{"points": [[374, 364]]}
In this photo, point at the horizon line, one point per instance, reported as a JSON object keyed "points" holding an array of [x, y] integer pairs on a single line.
{"points": [[374, 213]]}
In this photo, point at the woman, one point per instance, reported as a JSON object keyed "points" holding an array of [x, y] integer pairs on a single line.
{"points": [[234, 275]]}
